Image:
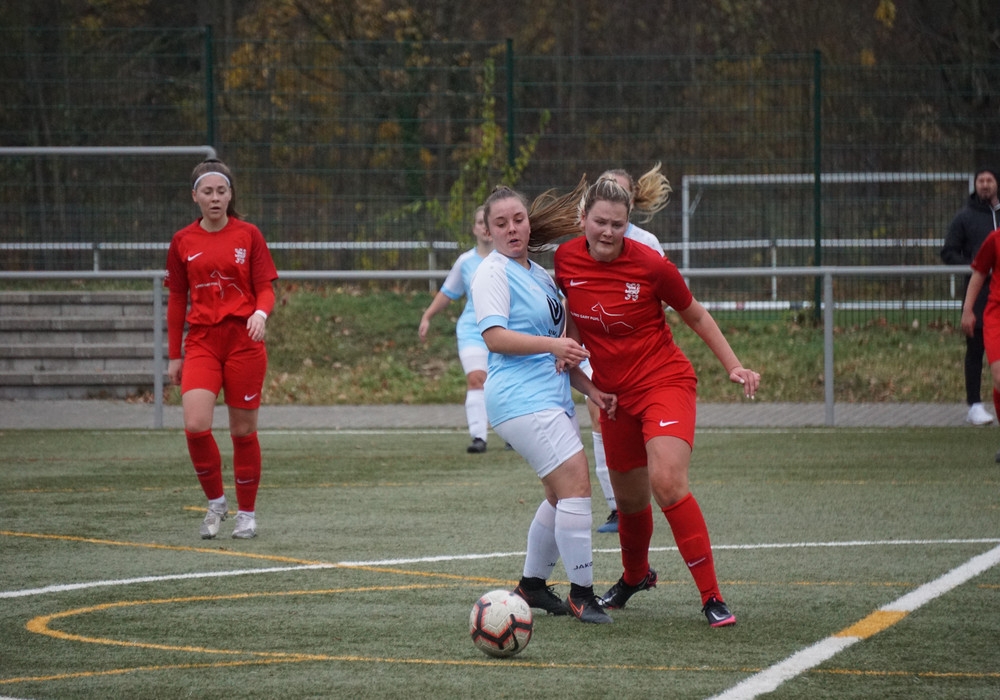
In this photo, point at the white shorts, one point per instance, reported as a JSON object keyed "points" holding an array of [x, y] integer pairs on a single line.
{"points": [[473, 358], [545, 439]]}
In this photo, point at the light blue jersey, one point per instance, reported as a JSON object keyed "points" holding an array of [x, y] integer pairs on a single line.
{"points": [[643, 236], [458, 284], [527, 301]]}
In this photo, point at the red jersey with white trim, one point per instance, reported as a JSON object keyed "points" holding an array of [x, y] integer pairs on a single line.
{"points": [[220, 270], [617, 307]]}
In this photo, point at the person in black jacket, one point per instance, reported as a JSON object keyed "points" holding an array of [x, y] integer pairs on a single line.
{"points": [[968, 230]]}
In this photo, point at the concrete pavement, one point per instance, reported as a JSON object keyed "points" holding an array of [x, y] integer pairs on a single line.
{"points": [[114, 414]]}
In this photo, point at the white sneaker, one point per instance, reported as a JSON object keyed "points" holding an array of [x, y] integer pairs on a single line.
{"points": [[246, 526], [978, 415], [214, 516]]}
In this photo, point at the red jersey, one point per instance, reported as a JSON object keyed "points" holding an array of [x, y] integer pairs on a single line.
{"points": [[986, 262], [221, 271], [617, 307]]}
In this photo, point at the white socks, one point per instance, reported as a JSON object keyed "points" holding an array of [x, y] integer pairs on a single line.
{"points": [[563, 531], [543, 552], [475, 413], [572, 533]]}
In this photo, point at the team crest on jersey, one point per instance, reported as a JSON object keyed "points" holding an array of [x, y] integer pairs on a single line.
{"points": [[241, 255], [555, 310], [631, 291]]}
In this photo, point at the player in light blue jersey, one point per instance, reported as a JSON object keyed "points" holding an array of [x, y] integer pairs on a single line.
{"points": [[528, 401], [472, 351], [650, 193]]}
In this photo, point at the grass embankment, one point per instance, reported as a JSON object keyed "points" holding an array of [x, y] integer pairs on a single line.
{"points": [[338, 345]]}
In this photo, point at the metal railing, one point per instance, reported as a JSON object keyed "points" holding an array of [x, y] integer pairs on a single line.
{"points": [[772, 245], [826, 274]]}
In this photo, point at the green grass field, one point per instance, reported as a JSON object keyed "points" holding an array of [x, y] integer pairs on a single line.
{"points": [[374, 545]]}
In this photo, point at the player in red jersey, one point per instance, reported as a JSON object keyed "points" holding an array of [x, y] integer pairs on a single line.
{"points": [[222, 264], [615, 289], [984, 268], [650, 193]]}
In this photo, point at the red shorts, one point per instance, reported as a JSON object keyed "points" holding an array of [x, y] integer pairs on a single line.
{"points": [[991, 331], [223, 357], [666, 410]]}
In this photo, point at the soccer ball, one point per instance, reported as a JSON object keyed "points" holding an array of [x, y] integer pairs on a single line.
{"points": [[500, 623]]}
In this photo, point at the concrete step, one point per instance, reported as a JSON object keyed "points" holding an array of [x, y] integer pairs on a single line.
{"points": [[77, 385], [91, 350], [67, 330], [97, 357], [99, 304]]}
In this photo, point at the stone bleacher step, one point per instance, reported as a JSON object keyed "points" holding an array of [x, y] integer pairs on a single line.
{"points": [[66, 344]]}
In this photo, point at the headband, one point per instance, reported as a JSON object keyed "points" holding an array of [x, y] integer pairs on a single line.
{"points": [[211, 172]]}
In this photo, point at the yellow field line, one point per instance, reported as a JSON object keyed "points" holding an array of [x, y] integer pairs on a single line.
{"points": [[168, 547]]}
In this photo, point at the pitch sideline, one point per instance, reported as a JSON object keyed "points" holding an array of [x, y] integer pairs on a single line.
{"points": [[770, 678]]}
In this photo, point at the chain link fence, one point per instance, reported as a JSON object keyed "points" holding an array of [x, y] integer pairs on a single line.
{"points": [[372, 155]]}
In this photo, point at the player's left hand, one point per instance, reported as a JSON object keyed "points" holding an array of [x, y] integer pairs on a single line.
{"points": [[609, 402], [256, 325], [748, 378]]}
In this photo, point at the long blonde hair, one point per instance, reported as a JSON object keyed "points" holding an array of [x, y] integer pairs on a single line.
{"points": [[555, 216], [606, 189], [650, 193]]}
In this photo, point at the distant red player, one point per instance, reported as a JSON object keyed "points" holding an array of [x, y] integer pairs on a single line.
{"points": [[615, 290], [984, 267], [222, 264]]}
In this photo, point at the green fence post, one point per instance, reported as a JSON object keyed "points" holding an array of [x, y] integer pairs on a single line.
{"points": [[817, 176], [510, 103], [209, 87]]}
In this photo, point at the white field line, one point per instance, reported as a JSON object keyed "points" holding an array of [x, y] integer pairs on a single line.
{"points": [[769, 679], [611, 550], [61, 588]]}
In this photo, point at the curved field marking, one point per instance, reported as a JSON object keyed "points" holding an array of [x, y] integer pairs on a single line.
{"points": [[40, 624], [770, 678], [874, 623]]}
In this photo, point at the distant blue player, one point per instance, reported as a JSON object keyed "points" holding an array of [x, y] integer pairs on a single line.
{"points": [[472, 351]]}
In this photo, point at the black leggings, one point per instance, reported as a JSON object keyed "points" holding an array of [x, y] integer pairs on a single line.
{"points": [[974, 350]]}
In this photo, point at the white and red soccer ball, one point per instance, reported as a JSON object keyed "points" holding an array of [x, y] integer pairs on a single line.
{"points": [[500, 623]]}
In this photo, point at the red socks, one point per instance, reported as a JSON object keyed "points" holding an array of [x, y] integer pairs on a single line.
{"points": [[208, 466], [246, 470], [691, 535], [635, 530], [207, 462]]}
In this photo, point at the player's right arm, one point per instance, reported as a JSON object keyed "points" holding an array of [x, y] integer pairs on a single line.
{"points": [[176, 310], [971, 294], [507, 342], [437, 305]]}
